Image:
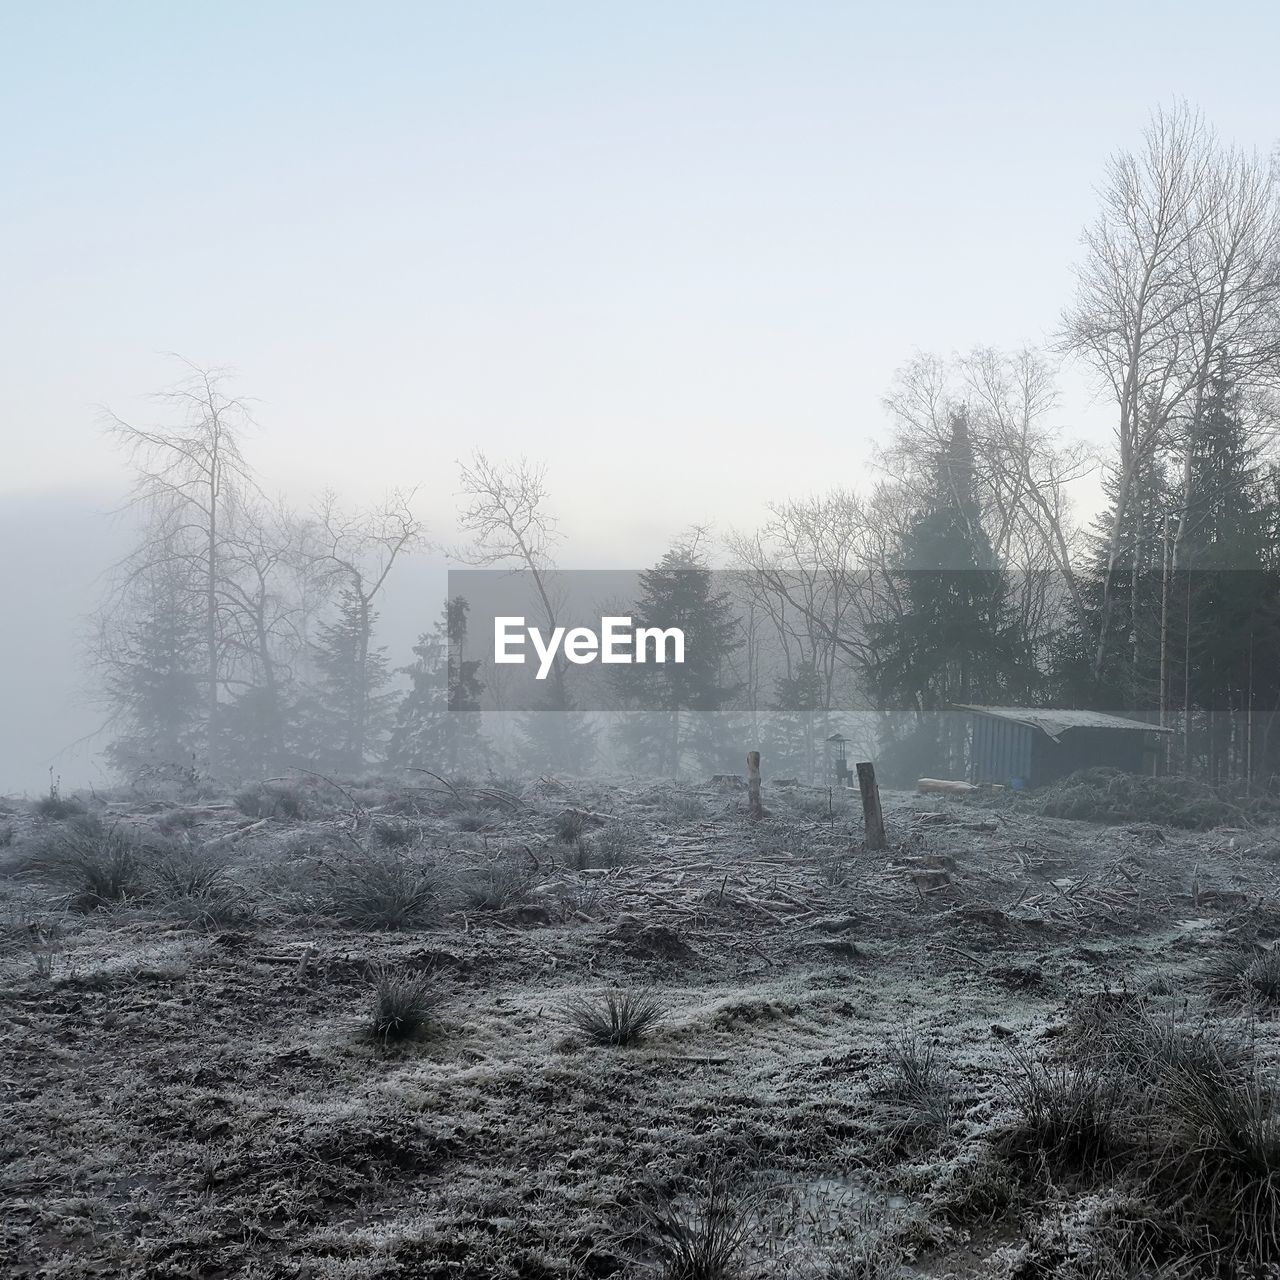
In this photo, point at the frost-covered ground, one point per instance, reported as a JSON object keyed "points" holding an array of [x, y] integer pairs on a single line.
{"points": [[915, 1062]]}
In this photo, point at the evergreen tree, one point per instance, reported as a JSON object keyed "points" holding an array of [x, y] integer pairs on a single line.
{"points": [[956, 638], [675, 712], [438, 721], [798, 724], [1129, 678], [349, 708], [154, 677], [1227, 607]]}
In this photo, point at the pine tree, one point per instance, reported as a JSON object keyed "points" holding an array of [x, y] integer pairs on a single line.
{"points": [[1228, 606], [1130, 675], [154, 678], [674, 712], [438, 721], [956, 639], [798, 724], [350, 708]]}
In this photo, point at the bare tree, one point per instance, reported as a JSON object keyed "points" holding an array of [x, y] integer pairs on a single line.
{"points": [[190, 475], [1179, 268], [360, 549], [505, 512]]}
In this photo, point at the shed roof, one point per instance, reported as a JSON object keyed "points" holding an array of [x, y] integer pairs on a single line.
{"points": [[1056, 721]]}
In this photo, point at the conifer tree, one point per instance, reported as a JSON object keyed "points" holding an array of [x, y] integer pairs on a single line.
{"points": [[955, 639], [438, 721], [674, 712]]}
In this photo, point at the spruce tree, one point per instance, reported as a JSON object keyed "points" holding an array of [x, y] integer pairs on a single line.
{"points": [[674, 713], [350, 707], [154, 678], [956, 639], [438, 721]]}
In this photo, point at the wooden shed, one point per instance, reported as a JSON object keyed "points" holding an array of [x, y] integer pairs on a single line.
{"points": [[1031, 746]]}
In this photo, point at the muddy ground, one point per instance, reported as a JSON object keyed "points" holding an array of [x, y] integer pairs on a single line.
{"points": [[193, 1085]]}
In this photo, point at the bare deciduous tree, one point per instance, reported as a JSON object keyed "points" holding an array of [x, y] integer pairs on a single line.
{"points": [[190, 475]]}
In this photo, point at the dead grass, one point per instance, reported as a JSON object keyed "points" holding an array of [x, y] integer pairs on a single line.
{"points": [[617, 1017]]}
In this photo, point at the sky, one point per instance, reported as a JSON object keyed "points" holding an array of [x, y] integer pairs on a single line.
{"points": [[675, 251]]}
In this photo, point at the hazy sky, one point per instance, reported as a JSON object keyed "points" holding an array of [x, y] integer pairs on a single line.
{"points": [[675, 250]]}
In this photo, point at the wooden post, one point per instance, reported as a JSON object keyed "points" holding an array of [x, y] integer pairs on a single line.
{"points": [[754, 804], [871, 814]]}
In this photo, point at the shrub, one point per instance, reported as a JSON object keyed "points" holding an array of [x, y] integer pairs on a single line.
{"points": [[616, 1017], [403, 1003]]}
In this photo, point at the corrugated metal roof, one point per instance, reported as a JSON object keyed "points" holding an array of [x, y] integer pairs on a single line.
{"points": [[1056, 721]]}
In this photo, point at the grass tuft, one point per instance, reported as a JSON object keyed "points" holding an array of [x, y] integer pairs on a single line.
{"points": [[404, 1004], [1246, 977], [380, 891], [703, 1240], [616, 1017], [1067, 1112]]}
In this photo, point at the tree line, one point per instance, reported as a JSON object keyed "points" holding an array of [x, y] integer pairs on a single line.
{"points": [[240, 637]]}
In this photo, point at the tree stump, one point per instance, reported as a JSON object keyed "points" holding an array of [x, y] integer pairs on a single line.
{"points": [[872, 818], [755, 806]]}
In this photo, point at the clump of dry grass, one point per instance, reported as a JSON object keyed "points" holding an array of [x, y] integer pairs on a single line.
{"points": [[616, 1017], [499, 884], [916, 1096], [379, 891], [1218, 1162], [1067, 1112], [705, 1238], [95, 866], [1245, 977], [404, 1003], [616, 844]]}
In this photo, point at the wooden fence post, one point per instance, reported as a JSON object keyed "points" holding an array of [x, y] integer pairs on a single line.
{"points": [[755, 805], [871, 815]]}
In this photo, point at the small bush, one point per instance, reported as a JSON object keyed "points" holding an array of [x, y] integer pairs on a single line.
{"points": [[403, 1003], [616, 1017]]}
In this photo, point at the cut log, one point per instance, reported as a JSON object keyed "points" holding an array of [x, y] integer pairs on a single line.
{"points": [[872, 818], [944, 786]]}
